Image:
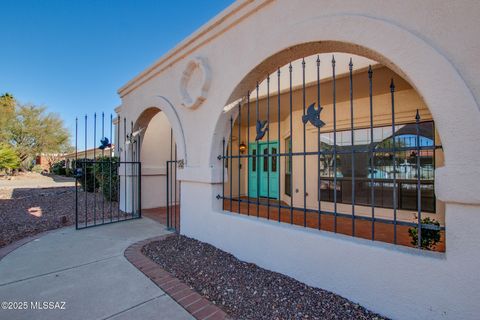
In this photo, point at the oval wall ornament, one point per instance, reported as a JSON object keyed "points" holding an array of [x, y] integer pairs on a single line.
{"points": [[195, 83]]}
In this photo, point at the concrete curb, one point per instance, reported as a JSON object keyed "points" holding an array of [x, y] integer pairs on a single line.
{"points": [[199, 307], [17, 244]]}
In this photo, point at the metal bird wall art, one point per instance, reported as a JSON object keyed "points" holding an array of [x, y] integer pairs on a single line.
{"points": [[262, 128], [313, 116], [104, 143]]}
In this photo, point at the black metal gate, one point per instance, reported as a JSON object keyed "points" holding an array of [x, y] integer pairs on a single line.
{"points": [[107, 187], [173, 196]]}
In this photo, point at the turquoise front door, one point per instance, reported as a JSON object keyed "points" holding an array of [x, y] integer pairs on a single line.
{"points": [[263, 173]]}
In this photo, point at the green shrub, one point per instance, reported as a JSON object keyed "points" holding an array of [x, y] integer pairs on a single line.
{"points": [[84, 175], [430, 237], [9, 159], [37, 168], [68, 172], [58, 168], [106, 171]]}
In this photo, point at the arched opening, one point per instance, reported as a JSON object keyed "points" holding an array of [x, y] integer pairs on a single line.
{"points": [[156, 148], [334, 141]]}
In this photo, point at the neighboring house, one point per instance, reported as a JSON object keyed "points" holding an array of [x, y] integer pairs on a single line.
{"points": [[42, 161], [87, 154], [46, 160], [327, 198]]}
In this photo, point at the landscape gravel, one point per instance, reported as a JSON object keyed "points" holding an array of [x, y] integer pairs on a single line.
{"points": [[28, 211], [244, 290]]}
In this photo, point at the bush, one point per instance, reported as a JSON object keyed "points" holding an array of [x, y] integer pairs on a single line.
{"points": [[430, 237], [84, 174], [58, 168], [68, 172], [37, 168], [9, 159], [106, 171]]}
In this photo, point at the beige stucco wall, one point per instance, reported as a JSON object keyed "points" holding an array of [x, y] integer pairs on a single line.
{"points": [[432, 44]]}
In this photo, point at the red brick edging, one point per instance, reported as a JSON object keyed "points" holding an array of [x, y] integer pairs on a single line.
{"points": [[199, 307]]}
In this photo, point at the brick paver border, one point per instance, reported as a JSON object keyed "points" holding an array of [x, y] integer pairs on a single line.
{"points": [[199, 307]]}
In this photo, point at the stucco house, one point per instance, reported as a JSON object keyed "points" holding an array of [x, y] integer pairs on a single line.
{"points": [[320, 140]]}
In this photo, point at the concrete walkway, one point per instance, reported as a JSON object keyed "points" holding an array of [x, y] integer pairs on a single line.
{"points": [[87, 270]]}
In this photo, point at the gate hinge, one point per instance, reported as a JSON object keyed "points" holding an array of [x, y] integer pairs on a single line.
{"points": [[181, 164]]}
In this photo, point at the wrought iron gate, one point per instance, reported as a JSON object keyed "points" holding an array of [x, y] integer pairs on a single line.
{"points": [[107, 186], [173, 196]]}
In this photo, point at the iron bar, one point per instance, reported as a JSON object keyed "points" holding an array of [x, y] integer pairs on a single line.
{"points": [[167, 193], [103, 154], [392, 92], [257, 167], [269, 165], [277, 159], [230, 177], [132, 156], [319, 146], [334, 146], [249, 159], [85, 172], [291, 142], [110, 168], [119, 183], [223, 173], [76, 173], [372, 154], [125, 167], [174, 178], [352, 131], [304, 148], [239, 159], [419, 190], [94, 175]]}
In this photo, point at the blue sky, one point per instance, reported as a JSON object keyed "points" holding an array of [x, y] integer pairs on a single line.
{"points": [[73, 55]]}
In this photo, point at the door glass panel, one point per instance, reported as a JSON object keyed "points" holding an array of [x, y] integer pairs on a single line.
{"points": [[265, 160], [254, 160], [274, 160]]}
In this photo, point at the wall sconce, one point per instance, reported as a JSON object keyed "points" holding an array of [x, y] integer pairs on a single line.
{"points": [[242, 147]]}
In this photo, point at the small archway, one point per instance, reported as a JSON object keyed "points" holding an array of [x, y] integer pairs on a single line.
{"points": [[156, 140]]}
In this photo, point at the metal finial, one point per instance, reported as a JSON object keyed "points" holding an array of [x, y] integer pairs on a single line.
{"points": [[318, 59], [417, 116], [257, 85], [303, 62], [333, 59], [370, 71], [290, 67], [392, 86], [350, 65], [268, 78], [278, 71]]}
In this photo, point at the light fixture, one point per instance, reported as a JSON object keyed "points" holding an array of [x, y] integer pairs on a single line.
{"points": [[242, 147]]}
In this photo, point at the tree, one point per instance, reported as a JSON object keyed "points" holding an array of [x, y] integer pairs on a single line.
{"points": [[8, 158], [33, 132], [7, 113]]}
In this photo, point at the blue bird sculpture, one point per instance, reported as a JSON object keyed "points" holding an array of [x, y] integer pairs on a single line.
{"points": [[261, 125], [104, 143], [313, 116]]}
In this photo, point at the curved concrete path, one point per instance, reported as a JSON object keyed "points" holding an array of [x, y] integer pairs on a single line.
{"points": [[85, 269]]}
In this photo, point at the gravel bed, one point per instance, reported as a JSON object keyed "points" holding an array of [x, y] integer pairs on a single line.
{"points": [[28, 211], [244, 290]]}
